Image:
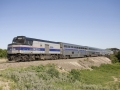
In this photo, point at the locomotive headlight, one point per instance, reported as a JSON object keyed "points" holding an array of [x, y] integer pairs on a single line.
{"points": [[16, 48], [9, 48]]}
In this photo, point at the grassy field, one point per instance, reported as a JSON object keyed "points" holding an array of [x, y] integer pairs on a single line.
{"points": [[105, 77]]}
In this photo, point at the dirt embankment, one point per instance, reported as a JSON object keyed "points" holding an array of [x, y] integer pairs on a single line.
{"points": [[65, 64]]}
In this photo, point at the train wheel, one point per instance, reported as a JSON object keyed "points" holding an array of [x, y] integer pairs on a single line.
{"points": [[23, 58], [56, 56], [68, 57], [26, 58], [42, 57], [17, 59], [12, 58], [53, 57], [31, 57]]}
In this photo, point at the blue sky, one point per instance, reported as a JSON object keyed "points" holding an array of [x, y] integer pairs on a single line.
{"points": [[94, 23]]}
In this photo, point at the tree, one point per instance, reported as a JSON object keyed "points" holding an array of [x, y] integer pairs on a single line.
{"points": [[118, 55], [3, 53]]}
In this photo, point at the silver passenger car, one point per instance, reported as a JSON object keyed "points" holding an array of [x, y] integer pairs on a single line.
{"points": [[72, 50]]}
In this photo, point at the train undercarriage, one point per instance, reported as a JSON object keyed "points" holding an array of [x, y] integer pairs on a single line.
{"points": [[33, 57]]}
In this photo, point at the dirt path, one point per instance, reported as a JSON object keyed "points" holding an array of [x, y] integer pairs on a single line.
{"points": [[66, 64]]}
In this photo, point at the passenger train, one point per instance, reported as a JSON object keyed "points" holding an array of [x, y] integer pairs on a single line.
{"points": [[24, 48]]}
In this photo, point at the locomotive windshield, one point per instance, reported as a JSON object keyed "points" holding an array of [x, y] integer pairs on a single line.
{"points": [[18, 40]]}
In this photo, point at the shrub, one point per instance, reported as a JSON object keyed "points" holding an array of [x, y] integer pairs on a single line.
{"points": [[3, 53], [118, 56], [94, 67], [113, 58], [53, 72], [75, 74]]}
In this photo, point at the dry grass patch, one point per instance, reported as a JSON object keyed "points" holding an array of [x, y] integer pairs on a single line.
{"points": [[4, 84]]}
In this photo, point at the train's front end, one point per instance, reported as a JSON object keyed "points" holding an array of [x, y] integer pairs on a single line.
{"points": [[14, 49]]}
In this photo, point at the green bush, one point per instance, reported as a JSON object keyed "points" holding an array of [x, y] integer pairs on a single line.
{"points": [[3, 53], [113, 58], [118, 55], [75, 74], [53, 72]]}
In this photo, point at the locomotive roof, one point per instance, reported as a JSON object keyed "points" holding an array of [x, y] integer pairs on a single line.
{"points": [[28, 38], [34, 39]]}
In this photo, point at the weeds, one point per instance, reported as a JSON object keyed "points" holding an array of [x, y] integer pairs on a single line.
{"points": [[49, 78], [1, 87], [75, 74], [53, 72]]}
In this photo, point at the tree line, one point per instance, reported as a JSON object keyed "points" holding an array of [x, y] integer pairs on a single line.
{"points": [[3, 53]]}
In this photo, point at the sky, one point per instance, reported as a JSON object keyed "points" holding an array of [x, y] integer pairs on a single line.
{"points": [[94, 23]]}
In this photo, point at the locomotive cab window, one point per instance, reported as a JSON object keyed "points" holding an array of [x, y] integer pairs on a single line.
{"points": [[29, 42], [19, 40]]}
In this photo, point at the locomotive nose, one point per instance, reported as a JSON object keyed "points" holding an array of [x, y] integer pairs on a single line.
{"points": [[12, 49], [9, 50]]}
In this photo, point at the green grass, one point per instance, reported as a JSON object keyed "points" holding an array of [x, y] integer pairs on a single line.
{"points": [[49, 78], [99, 75]]}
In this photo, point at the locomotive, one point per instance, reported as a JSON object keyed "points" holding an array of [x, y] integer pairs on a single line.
{"points": [[25, 48]]}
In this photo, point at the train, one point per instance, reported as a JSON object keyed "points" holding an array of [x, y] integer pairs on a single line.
{"points": [[24, 48]]}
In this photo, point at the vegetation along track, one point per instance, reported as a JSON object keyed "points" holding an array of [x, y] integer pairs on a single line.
{"points": [[66, 64]]}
